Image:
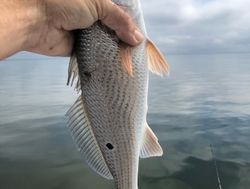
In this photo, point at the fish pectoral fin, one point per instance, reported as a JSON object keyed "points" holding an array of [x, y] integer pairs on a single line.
{"points": [[156, 62], [126, 58], [150, 146], [73, 73], [85, 140]]}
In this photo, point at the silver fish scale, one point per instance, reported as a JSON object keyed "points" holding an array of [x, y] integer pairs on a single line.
{"points": [[115, 102]]}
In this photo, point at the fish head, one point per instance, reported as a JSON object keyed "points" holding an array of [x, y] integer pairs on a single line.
{"points": [[130, 6]]}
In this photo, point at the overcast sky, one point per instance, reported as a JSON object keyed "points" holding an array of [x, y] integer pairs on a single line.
{"points": [[196, 26], [199, 26]]}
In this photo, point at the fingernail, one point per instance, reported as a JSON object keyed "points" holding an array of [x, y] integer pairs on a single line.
{"points": [[138, 36]]}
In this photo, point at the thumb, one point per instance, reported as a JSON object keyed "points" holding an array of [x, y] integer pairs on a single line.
{"points": [[117, 19]]}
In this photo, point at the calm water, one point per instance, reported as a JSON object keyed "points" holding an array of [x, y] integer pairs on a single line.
{"points": [[206, 100]]}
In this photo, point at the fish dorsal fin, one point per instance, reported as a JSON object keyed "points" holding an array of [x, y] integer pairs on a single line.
{"points": [[150, 146], [85, 140], [126, 58], [73, 73], [156, 62]]}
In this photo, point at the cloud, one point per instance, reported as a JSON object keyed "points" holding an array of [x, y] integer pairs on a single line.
{"points": [[199, 26], [196, 26]]}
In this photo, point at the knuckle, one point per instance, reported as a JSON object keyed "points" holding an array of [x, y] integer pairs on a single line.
{"points": [[102, 8]]}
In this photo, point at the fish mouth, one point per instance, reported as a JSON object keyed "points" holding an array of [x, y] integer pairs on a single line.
{"points": [[127, 4], [129, 8], [122, 5]]}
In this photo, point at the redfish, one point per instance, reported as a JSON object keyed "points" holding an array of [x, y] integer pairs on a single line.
{"points": [[108, 120]]}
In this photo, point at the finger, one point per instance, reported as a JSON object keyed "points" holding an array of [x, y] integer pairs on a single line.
{"points": [[118, 20], [60, 43]]}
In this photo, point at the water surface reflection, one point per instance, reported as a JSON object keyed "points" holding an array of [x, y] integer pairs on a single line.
{"points": [[204, 101]]}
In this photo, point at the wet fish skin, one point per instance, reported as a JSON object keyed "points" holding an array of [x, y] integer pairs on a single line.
{"points": [[114, 102], [108, 121]]}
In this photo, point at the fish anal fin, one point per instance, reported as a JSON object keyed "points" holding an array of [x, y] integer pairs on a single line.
{"points": [[156, 62], [85, 140], [150, 146], [126, 58]]}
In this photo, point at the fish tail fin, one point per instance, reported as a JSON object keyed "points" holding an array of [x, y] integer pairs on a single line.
{"points": [[85, 139], [156, 62]]}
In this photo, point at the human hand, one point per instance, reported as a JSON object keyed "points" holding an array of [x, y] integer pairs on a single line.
{"points": [[44, 26], [63, 16]]}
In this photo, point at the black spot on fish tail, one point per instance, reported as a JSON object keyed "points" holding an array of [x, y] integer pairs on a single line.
{"points": [[110, 146]]}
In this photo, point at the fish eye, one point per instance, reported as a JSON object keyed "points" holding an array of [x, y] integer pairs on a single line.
{"points": [[109, 146]]}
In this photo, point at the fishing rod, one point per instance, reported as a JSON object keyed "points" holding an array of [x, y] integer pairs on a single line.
{"points": [[216, 167]]}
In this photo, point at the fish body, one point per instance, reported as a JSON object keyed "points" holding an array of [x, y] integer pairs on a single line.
{"points": [[108, 120]]}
